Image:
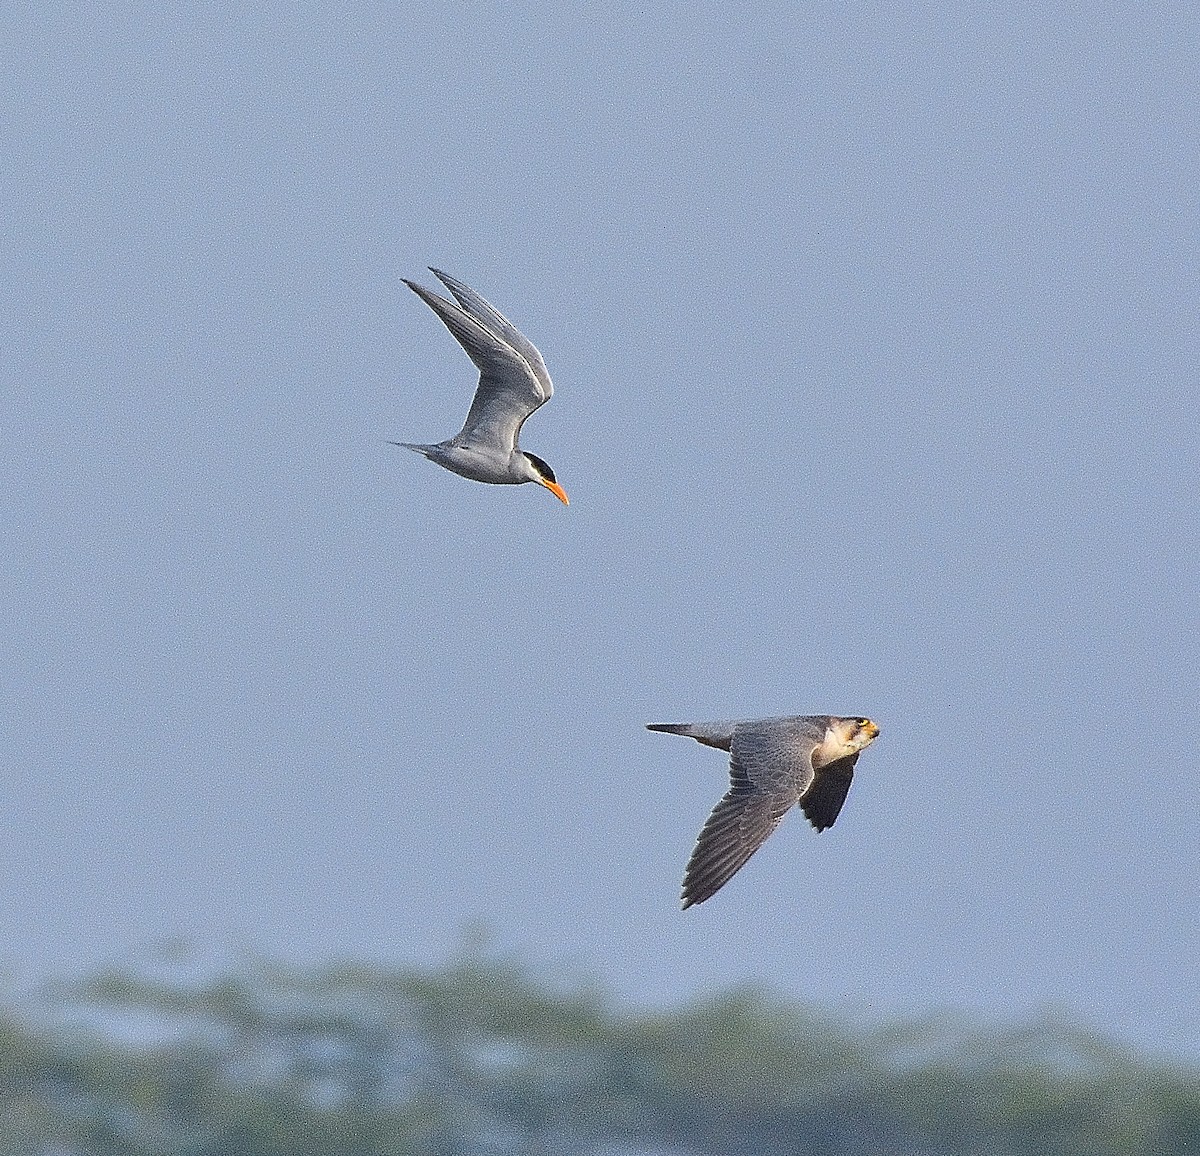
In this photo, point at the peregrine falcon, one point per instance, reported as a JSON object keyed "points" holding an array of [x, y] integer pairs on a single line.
{"points": [[774, 764]]}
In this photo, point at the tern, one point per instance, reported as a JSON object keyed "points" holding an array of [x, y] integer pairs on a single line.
{"points": [[513, 382], [774, 764]]}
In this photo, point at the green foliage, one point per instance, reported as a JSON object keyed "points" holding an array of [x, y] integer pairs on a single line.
{"points": [[477, 1057]]}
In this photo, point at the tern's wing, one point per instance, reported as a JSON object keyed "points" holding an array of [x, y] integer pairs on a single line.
{"points": [[491, 318], [825, 795], [508, 390], [771, 764]]}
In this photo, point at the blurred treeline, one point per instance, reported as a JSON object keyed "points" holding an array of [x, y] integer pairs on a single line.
{"points": [[477, 1057]]}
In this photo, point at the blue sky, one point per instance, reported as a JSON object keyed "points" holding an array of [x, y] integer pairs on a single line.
{"points": [[874, 334]]}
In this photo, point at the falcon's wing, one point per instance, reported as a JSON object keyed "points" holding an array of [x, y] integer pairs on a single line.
{"points": [[827, 791], [738, 826], [771, 764]]}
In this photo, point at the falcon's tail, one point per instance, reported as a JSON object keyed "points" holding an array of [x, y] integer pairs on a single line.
{"points": [[719, 734], [416, 449]]}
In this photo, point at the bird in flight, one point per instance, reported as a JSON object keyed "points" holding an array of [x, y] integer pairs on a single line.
{"points": [[513, 382], [774, 764]]}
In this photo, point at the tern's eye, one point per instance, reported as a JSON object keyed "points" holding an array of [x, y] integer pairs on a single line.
{"points": [[542, 467]]}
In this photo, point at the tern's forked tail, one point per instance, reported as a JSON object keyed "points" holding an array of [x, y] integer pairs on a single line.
{"points": [[416, 449]]}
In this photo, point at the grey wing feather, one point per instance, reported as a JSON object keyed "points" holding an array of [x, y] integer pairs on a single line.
{"points": [[508, 390], [739, 824], [825, 795], [777, 753], [491, 317], [769, 769]]}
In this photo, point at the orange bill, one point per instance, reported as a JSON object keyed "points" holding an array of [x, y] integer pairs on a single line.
{"points": [[556, 490]]}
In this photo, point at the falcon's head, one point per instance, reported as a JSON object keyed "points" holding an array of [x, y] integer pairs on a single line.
{"points": [[844, 736]]}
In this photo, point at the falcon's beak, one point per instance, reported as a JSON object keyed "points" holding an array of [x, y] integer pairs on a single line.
{"points": [[869, 729], [555, 489]]}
